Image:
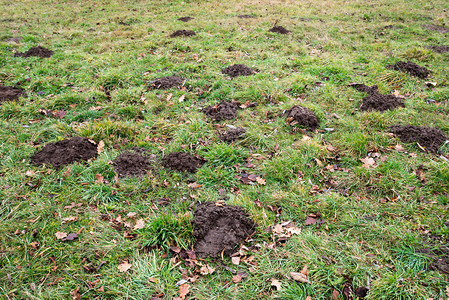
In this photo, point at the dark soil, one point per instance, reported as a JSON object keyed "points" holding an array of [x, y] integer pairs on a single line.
{"points": [[182, 33], [430, 138], [232, 134], [238, 70], [439, 259], [298, 115], [65, 152], [376, 101], [36, 51], [440, 49], [131, 164], [279, 29], [185, 19], [222, 111], [411, 68], [246, 17], [361, 292], [10, 93], [436, 28], [167, 82], [218, 228], [182, 161]]}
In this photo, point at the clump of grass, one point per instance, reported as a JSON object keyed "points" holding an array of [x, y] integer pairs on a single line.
{"points": [[107, 130]]}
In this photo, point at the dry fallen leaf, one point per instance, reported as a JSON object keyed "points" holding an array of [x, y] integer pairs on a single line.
{"points": [[124, 266], [299, 277], [100, 147], [261, 181], [275, 283], [182, 98], [60, 235], [335, 294], [184, 289], [367, 162], [69, 219], [194, 185], [99, 179], [235, 260], [399, 148], [139, 224], [236, 278], [205, 270]]}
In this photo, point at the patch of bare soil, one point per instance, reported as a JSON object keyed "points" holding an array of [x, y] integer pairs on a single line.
{"points": [[431, 139], [301, 116], [238, 70], [36, 51], [185, 19], [132, 164], [222, 111], [439, 259], [220, 228], [10, 93], [182, 161], [182, 33], [167, 82], [16, 39], [436, 28], [246, 17], [233, 134], [410, 68], [65, 152], [440, 49], [376, 101], [279, 29]]}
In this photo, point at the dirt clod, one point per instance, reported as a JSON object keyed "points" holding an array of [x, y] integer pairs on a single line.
{"points": [[10, 93], [182, 161], [233, 134], [279, 29], [35, 51], [439, 259], [376, 101], [131, 164], [430, 138], [440, 49], [65, 152], [220, 227], [361, 292], [238, 70], [298, 115], [167, 82], [185, 19], [182, 33], [222, 111], [410, 68]]}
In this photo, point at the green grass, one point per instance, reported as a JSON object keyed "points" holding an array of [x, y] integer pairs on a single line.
{"points": [[376, 219]]}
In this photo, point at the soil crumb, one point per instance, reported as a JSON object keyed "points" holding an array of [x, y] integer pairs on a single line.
{"points": [[233, 134], [246, 17], [279, 29], [65, 152], [436, 28], [222, 111], [376, 101], [131, 164], [238, 70], [182, 161], [440, 49], [218, 228], [36, 51], [439, 259], [411, 68], [185, 19], [430, 138], [10, 93], [298, 115], [167, 82], [182, 33]]}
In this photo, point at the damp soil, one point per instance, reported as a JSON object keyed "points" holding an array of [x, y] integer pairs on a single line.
{"points": [[279, 29], [182, 33], [301, 116], [65, 152], [440, 49], [430, 138], [182, 161], [238, 70], [436, 28], [131, 164], [233, 134], [376, 101], [36, 51], [222, 111], [185, 19], [10, 93], [167, 82], [246, 17], [410, 68], [220, 228], [439, 259]]}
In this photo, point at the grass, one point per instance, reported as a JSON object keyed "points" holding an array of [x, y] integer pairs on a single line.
{"points": [[376, 219]]}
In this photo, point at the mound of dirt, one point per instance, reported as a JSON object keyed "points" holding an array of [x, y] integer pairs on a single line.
{"points": [[167, 82], [218, 228], [436, 28], [182, 33], [246, 17], [10, 93], [279, 29], [298, 115], [185, 19], [439, 259], [440, 49], [233, 134], [222, 111], [411, 68], [131, 164], [238, 70], [376, 101], [182, 161], [430, 138], [36, 51], [65, 152]]}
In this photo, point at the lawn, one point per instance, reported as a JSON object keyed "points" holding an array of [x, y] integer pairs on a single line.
{"points": [[308, 154]]}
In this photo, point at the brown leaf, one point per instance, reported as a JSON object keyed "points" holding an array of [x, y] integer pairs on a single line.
{"points": [[236, 278], [310, 221], [139, 224], [184, 289], [100, 147], [34, 245], [399, 148], [181, 98], [305, 270], [205, 270], [367, 162], [67, 172], [335, 294], [275, 283], [76, 294], [124, 266], [99, 179], [60, 235], [194, 185], [299, 277], [69, 219], [169, 97], [261, 181], [71, 237], [235, 260]]}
